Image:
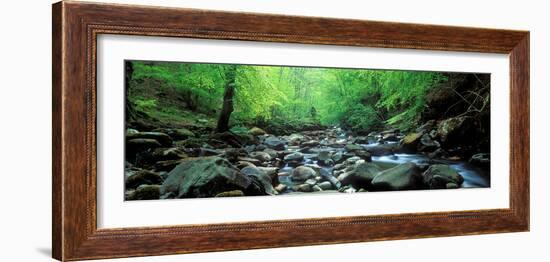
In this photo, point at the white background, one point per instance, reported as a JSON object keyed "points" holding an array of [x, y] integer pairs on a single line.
{"points": [[25, 136]]}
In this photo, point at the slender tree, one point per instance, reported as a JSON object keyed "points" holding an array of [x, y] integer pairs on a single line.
{"points": [[130, 110], [229, 92]]}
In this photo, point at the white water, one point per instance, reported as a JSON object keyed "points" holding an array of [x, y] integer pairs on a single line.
{"points": [[473, 177]]}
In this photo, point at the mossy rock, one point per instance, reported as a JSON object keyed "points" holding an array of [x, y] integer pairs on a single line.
{"points": [[207, 177], [145, 192], [256, 131], [439, 176], [410, 141], [143, 177]]}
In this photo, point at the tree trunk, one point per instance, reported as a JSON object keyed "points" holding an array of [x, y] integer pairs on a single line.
{"points": [[227, 107], [130, 110]]}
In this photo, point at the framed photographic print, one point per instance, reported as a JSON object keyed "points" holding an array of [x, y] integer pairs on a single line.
{"points": [[181, 130]]}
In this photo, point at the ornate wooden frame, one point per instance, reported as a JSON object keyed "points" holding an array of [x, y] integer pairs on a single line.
{"points": [[76, 26]]}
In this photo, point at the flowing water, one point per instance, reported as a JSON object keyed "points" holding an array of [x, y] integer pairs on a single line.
{"points": [[473, 176]]}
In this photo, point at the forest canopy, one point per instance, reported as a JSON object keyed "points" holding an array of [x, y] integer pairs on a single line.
{"points": [[358, 99]]}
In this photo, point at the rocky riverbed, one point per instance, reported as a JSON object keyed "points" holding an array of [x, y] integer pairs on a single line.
{"points": [[176, 163]]}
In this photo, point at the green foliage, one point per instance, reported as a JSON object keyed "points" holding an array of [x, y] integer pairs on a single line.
{"points": [[357, 98], [239, 130], [362, 117], [145, 104]]}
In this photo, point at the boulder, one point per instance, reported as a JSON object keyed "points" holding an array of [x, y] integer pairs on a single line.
{"points": [[428, 144], [261, 176], [410, 141], [250, 148], [272, 153], [262, 156], [438, 176], [162, 138], [129, 171], [161, 154], [145, 192], [182, 133], [326, 185], [134, 146], [339, 166], [364, 154], [326, 175], [324, 155], [256, 131], [338, 157], [360, 176], [381, 150], [194, 142], [243, 164], [311, 143], [270, 171], [311, 181], [451, 186], [345, 178], [281, 188], [361, 140], [456, 129], [143, 177], [275, 143], [295, 139], [304, 188], [294, 157], [302, 173], [352, 160], [131, 131], [405, 176], [325, 158], [233, 154], [481, 160], [328, 162], [207, 177]]}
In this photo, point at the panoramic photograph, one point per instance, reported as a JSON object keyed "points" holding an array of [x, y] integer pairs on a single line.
{"points": [[203, 130]]}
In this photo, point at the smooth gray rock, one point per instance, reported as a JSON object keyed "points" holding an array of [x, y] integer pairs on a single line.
{"points": [[207, 177], [405, 176], [438, 176]]}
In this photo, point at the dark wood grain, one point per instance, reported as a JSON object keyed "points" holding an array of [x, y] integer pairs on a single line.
{"points": [[519, 129], [76, 26], [57, 196]]}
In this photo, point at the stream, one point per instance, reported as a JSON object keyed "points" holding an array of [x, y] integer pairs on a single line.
{"points": [[327, 160], [474, 177]]}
